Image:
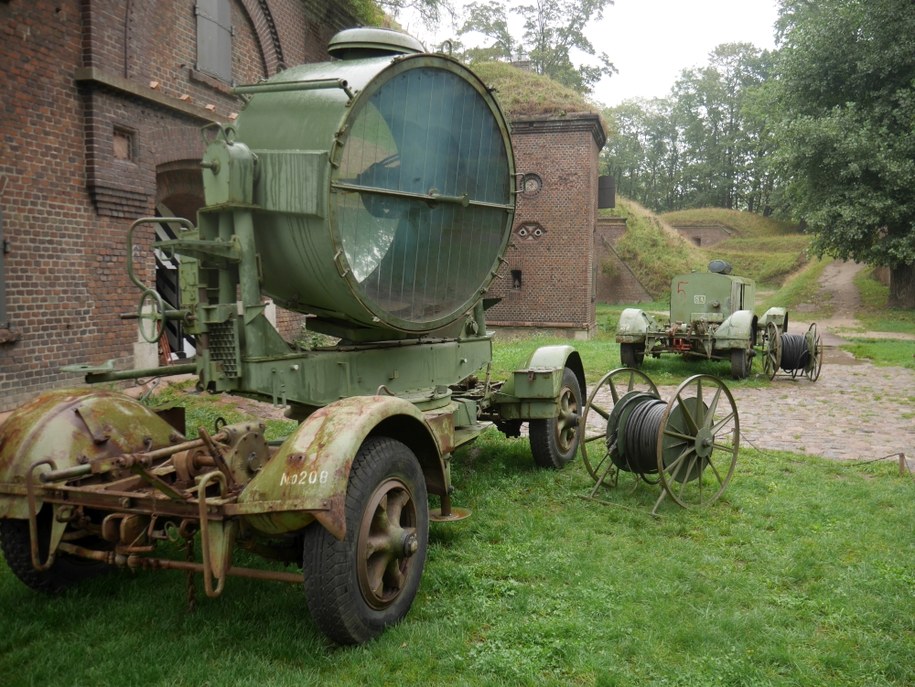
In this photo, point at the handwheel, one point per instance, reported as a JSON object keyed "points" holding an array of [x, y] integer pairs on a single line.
{"points": [[151, 315], [772, 355], [616, 383], [698, 439], [815, 347]]}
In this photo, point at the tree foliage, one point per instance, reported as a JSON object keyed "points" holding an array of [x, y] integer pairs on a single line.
{"points": [[704, 145], [552, 32], [847, 139], [429, 11]]}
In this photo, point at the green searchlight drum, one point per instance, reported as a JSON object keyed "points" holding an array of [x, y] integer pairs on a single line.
{"points": [[387, 170]]}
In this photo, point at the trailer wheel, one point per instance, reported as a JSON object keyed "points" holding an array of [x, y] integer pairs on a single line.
{"points": [[741, 363], [66, 571], [357, 587], [632, 355], [554, 441]]}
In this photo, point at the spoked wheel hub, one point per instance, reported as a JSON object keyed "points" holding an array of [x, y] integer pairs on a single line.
{"points": [[772, 355], [698, 439], [387, 540], [567, 420], [815, 349]]}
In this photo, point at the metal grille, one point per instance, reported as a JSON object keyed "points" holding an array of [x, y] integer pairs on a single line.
{"points": [[223, 346]]}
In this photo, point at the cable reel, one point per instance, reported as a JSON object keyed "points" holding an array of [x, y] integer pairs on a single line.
{"points": [[687, 444], [792, 353]]}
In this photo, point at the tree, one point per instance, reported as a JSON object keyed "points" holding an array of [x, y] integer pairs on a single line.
{"points": [[707, 144], [552, 31], [847, 138], [429, 11], [721, 136]]}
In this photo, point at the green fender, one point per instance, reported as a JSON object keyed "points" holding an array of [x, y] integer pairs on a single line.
{"points": [[70, 427], [633, 326], [541, 378], [779, 316], [737, 331], [306, 479]]}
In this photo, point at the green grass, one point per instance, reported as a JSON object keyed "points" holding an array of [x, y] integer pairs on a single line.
{"points": [[883, 352], [602, 354], [874, 314], [763, 249], [743, 223], [207, 411], [803, 287], [524, 93], [801, 575], [653, 254]]}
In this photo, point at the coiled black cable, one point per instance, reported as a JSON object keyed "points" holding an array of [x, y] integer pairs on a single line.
{"points": [[795, 353], [641, 436]]}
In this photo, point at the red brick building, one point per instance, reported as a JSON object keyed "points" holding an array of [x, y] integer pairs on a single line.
{"points": [[102, 103], [549, 279]]}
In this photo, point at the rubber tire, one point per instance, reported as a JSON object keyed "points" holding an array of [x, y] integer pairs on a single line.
{"points": [[66, 571], [544, 445], [632, 355], [329, 565], [741, 363]]}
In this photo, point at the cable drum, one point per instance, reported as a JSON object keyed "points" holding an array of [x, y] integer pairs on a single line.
{"points": [[641, 436], [689, 442], [795, 352]]}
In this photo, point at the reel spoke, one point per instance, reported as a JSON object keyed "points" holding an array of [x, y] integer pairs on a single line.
{"points": [[598, 415], [676, 441], [723, 422]]}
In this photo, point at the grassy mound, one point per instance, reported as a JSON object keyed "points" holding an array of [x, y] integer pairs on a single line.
{"points": [[763, 249], [653, 251], [526, 94], [742, 223]]}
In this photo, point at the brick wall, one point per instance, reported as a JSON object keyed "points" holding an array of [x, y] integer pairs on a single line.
{"points": [[101, 107], [553, 239]]}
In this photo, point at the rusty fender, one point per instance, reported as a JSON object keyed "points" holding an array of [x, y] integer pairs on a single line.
{"points": [[70, 427], [306, 479]]}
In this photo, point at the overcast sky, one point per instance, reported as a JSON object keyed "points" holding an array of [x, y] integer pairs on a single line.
{"points": [[651, 41]]}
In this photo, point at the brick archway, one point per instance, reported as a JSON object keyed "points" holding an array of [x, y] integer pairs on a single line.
{"points": [[267, 35], [179, 187]]}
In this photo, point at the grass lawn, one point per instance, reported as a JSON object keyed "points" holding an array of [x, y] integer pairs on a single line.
{"points": [[802, 574]]}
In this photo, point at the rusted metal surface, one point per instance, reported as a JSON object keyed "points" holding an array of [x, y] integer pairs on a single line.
{"points": [[307, 477], [134, 562], [73, 428]]}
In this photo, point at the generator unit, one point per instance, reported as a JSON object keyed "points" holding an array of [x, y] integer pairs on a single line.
{"points": [[711, 316]]}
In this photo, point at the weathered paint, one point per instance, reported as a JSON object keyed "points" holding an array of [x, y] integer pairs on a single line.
{"points": [[633, 325], [307, 477], [736, 331], [533, 391], [72, 427]]}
